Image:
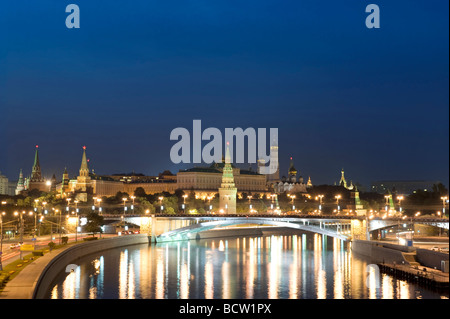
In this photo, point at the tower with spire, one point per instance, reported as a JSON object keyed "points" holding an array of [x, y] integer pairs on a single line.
{"points": [[20, 183], [292, 173], [355, 203], [65, 182], [343, 182], [84, 182], [36, 180], [227, 190], [36, 174]]}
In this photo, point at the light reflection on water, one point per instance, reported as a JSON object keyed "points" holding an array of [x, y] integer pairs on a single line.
{"points": [[302, 266]]}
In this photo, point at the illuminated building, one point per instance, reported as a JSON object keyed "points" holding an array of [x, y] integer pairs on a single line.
{"points": [[291, 184], [36, 180], [227, 190]]}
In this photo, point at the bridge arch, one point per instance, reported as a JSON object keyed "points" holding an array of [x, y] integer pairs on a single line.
{"points": [[191, 231]]}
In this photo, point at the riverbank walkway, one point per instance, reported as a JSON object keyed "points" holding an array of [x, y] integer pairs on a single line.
{"points": [[22, 286]]}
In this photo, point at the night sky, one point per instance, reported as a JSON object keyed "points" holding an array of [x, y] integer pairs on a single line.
{"points": [[372, 101]]}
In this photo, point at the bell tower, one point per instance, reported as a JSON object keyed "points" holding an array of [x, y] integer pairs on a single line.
{"points": [[84, 182], [227, 190]]}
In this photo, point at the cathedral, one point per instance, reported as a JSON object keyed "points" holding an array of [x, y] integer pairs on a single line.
{"points": [[343, 182], [291, 184]]}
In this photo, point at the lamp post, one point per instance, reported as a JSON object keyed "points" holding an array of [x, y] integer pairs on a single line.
{"points": [[273, 201], [1, 238], [99, 201], [249, 203], [21, 229], [160, 204], [320, 203], [124, 211], [184, 202], [209, 203], [76, 215], [400, 198], [132, 205], [338, 197], [386, 208], [60, 230], [444, 199], [292, 198]]}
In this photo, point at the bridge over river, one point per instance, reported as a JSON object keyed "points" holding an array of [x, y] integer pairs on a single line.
{"points": [[164, 228]]}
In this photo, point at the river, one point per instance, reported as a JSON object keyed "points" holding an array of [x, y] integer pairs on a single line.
{"points": [[299, 266]]}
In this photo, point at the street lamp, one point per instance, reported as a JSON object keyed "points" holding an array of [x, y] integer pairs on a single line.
{"points": [[184, 202], [43, 206], [338, 197], [132, 205], [124, 207], [273, 200], [292, 197], [1, 238], [160, 203], [400, 198], [387, 202], [59, 226], [444, 199], [99, 201], [209, 203], [320, 202], [21, 228]]}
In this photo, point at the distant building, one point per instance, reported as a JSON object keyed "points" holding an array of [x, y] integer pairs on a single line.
{"points": [[291, 184], [5, 186], [355, 203], [89, 183], [402, 187], [343, 182], [206, 181]]}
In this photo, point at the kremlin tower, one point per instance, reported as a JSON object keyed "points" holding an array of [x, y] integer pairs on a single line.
{"points": [[36, 181], [228, 190], [20, 183], [84, 183]]}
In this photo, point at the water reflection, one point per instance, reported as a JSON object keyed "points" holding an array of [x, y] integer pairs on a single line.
{"points": [[301, 266]]}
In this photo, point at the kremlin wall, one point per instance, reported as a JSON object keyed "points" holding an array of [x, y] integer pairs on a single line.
{"points": [[204, 181]]}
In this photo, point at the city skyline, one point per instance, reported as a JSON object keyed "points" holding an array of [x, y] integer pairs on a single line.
{"points": [[284, 172], [374, 102]]}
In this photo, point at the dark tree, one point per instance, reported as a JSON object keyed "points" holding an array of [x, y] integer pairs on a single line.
{"points": [[94, 223], [140, 192]]}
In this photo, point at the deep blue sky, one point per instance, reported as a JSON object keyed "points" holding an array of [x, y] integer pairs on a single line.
{"points": [[374, 102]]}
